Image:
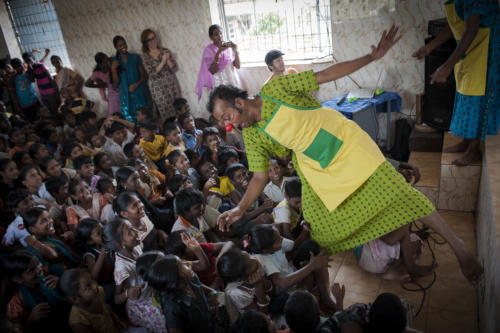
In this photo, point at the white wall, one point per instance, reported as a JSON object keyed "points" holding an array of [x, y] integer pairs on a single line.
{"points": [[89, 26]]}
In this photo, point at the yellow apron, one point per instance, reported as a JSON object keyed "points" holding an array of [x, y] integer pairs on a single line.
{"points": [[335, 155], [471, 70]]}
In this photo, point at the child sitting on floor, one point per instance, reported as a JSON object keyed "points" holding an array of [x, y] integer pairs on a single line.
{"points": [[128, 206], [152, 183], [34, 302], [146, 311], [287, 214], [255, 214], [121, 238], [89, 311], [181, 106], [189, 208], [52, 252], [154, 145], [134, 151], [180, 162], [89, 246], [271, 250], [253, 321], [202, 256], [86, 204], [218, 187], [275, 189], [70, 151], [181, 295], [85, 170], [243, 278], [394, 256], [174, 138], [211, 145], [18, 201], [191, 136]]}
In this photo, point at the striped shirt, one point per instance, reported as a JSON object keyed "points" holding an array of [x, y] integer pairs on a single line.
{"points": [[43, 79]]}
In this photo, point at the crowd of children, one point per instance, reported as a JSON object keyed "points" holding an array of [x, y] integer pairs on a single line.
{"points": [[109, 225]]}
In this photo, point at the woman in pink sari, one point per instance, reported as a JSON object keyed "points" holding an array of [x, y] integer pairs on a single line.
{"points": [[101, 78], [219, 63]]}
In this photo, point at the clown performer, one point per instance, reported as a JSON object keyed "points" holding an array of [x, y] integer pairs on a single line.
{"points": [[350, 194]]}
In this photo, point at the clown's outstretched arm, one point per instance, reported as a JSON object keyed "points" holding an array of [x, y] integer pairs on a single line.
{"points": [[334, 72]]}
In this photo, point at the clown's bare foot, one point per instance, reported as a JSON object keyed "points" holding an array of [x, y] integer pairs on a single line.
{"points": [[470, 266]]}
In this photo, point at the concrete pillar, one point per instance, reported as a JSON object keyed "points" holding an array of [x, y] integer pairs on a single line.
{"points": [[8, 42]]}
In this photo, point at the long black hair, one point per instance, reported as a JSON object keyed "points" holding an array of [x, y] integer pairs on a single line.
{"points": [[69, 283], [112, 234], [163, 277], [116, 39], [13, 266], [82, 235], [99, 59], [122, 201], [122, 175], [31, 216], [145, 261]]}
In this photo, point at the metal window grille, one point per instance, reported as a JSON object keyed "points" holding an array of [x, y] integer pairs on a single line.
{"points": [[299, 28], [37, 28]]}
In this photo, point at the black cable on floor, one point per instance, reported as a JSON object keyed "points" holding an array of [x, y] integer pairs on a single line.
{"points": [[423, 289]]}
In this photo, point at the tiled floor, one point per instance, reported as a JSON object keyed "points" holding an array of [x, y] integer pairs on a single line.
{"points": [[429, 165], [451, 303]]}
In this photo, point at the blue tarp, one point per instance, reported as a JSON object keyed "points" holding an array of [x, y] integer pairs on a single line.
{"points": [[348, 108]]}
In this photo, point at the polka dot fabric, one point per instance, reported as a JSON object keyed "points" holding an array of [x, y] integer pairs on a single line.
{"points": [[291, 89], [385, 202]]}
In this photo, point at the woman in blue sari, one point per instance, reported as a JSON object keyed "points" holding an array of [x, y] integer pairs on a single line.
{"points": [[128, 75]]}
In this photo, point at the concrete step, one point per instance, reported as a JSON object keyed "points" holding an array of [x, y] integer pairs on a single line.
{"points": [[424, 141], [458, 186], [429, 165]]}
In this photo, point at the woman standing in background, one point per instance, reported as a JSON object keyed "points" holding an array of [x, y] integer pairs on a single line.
{"points": [[161, 68], [128, 75], [219, 63], [475, 25]]}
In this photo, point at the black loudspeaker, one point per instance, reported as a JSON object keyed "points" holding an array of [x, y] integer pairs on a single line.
{"points": [[437, 108]]}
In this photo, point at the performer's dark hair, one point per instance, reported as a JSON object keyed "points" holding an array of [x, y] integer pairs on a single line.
{"points": [[226, 93]]}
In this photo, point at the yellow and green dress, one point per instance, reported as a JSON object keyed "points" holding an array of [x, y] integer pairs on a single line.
{"points": [[476, 112], [350, 193]]}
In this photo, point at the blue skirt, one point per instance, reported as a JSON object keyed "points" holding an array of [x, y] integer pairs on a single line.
{"points": [[478, 116]]}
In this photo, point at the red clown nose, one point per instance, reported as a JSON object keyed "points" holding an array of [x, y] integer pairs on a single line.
{"points": [[229, 127]]}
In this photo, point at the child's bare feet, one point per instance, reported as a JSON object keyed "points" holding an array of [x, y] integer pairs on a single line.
{"points": [[396, 272], [418, 271]]}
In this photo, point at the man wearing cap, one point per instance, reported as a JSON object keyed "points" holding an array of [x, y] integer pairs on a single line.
{"points": [[275, 63]]}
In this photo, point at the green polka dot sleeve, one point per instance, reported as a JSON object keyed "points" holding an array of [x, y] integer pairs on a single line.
{"points": [[260, 148]]}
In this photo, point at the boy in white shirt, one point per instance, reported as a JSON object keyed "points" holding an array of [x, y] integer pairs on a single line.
{"points": [[287, 213], [19, 200]]}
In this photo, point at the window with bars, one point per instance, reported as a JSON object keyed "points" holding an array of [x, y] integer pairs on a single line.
{"points": [[299, 28], [37, 28]]}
